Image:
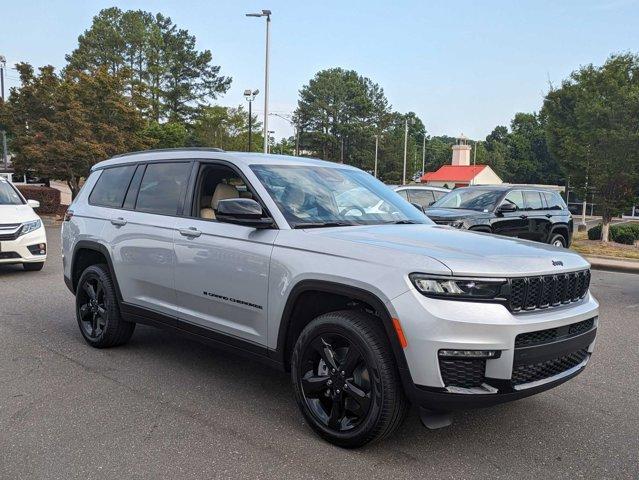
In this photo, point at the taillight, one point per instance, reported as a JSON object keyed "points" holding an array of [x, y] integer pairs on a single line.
{"points": [[68, 215]]}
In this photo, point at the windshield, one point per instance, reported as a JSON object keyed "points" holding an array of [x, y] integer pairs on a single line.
{"points": [[480, 199], [312, 196], [8, 194]]}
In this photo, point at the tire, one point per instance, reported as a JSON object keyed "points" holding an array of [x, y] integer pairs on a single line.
{"points": [[370, 405], [558, 240], [33, 267], [97, 310]]}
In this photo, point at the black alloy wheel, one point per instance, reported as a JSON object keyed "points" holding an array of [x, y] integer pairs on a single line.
{"points": [[97, 309], [336, 383], [345, 379]]}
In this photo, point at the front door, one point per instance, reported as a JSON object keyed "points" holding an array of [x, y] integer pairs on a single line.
{"points": [[221, 275], [512, 224]]}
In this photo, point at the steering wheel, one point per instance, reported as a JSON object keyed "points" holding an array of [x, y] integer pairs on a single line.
{"points": [[346, 210]]}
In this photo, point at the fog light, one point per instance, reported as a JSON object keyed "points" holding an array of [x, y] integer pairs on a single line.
{"points": [[469, 353]]}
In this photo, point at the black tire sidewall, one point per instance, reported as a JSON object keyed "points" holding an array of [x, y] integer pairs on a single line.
{"points": [[558, 236], [337, 324]]}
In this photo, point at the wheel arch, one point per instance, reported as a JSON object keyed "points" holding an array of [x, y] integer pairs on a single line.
{"points": [[289, 328], [87, 253], [562, 229]]}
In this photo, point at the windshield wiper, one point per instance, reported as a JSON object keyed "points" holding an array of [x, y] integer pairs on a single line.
{"points": [[324, 224], [403, 222]]}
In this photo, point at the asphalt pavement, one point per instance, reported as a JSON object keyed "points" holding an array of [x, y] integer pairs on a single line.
{"points": [[166, 407]]}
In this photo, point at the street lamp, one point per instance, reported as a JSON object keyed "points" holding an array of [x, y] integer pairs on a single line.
{"points": [[250, 96], [269, 133], [267, 14], [424, 155]]}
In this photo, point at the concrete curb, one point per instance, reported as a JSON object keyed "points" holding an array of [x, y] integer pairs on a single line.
{"points": [[614, 265]]}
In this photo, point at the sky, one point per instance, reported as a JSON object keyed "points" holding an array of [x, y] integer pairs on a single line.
{"points": [[463, 67]]}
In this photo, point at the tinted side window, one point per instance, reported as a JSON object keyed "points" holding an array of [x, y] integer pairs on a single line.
{"points": [[553, 201], [403, 194], [162, 188], [132, 194], [516, 198], [111, 186], [422, 197], [533, 200], [438, 194]]}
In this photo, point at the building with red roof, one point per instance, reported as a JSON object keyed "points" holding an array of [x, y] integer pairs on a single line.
{"points": [[461, 173]]}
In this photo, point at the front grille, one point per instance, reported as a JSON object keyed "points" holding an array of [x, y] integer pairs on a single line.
{"points": [[9, 255], [538, 371], [13, 228], [462, 373], [531, 293], [551, 334]]}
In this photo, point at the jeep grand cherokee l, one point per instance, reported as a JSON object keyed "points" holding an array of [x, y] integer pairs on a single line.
{"points": [[515, 211], [370, 311]]}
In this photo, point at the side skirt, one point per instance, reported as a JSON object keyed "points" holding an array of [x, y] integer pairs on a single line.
{"points": [[201, 334]]}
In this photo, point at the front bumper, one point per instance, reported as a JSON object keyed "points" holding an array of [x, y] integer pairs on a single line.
{"points": [[25, 248], [431, 325]]}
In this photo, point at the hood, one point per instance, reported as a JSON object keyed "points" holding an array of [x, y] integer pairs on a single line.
{"points": [[453, 213], [16, 214], [463, 252]]}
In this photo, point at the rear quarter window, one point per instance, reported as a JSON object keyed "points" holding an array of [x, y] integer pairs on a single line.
{"points": [[554, 201], [111, 187]]}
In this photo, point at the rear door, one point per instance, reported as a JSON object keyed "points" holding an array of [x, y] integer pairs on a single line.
{"points": [[539, 218], [141, 235], [221, 274]]}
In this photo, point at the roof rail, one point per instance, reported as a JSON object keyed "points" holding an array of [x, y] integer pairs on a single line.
{"points": [[181, 149]]}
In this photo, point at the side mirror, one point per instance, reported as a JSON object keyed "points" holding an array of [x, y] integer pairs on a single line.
{"points": [[418, 207], [242, 211], [33, 203], [507, 208]]}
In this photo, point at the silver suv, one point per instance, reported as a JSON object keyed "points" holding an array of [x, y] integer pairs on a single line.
{"points": [[283, 258]]}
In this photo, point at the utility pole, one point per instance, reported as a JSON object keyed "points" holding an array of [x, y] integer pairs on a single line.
{"points": [[424, 155], [5, 156], [376, 148], [405, 150]]}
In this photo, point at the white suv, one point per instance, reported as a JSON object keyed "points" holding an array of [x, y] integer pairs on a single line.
{"points": [[369, 309], [22, 236]]}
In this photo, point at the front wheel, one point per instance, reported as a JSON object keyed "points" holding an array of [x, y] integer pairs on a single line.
{"points": [[558, 240], [97, 310], [345, 379]]}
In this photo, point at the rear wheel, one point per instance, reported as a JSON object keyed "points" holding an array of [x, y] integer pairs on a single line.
{"points": [[33, 267], [558, 240], [345, 379], [97, 310]]}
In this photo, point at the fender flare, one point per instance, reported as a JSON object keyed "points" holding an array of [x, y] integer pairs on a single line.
{"points": [[560, 227], [96, 247], [349, 291]]}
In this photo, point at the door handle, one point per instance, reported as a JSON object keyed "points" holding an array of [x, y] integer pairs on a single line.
{"points": [[523, 216], [191, 232], [118, 222], [548, 215]]}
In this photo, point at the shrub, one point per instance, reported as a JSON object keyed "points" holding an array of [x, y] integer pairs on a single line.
{"points": [[626, 233], [48, 197]]}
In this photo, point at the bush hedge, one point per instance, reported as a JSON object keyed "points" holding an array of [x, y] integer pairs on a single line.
{"points": [[627, 233], [48, 197]]}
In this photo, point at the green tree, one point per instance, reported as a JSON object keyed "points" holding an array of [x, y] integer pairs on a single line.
{"points": [[592, 126], [226, 128], [166, 68], [61, 125], [167, 135]]}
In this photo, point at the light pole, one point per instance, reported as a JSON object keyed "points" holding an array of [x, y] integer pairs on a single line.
{"points": [[268, 150], [405, 149], [376, 148], [5, 157], [267, 14], [250, 96], [424, 155]]}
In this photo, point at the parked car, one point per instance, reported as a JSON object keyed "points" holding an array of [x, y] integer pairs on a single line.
{"points": [[368, 311], [23, 239], [421, 195], [514, 211]]}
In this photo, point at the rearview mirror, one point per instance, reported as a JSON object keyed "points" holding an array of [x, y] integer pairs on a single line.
{"points": [[33, 203], [242, 211], [507, 208]]}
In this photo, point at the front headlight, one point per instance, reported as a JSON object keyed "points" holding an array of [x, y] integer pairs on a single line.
{"points": [[30, 226], [456, 287]]}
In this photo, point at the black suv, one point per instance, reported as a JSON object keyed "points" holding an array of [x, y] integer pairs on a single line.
{"points": [[515, 211]]}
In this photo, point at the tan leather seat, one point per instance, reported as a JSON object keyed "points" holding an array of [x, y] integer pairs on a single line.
{"points": [[223, 191]]}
